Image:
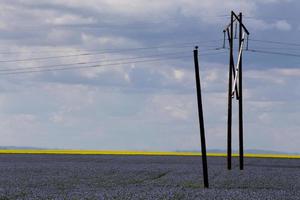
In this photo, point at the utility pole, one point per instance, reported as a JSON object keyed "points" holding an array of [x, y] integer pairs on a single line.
{"points": [[235, 85], [229, 111], [201, 121], [241, 128]]}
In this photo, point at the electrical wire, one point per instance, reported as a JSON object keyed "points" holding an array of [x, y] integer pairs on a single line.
{"points": [[90, 62], [94, 66], [72, 55], [275, 42], [63, 56], [270, 18], [104, 65], [279, 48], [273, 52], [112, 50]]}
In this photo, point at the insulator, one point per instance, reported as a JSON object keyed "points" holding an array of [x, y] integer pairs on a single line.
{"points": [[235, 33], [247, 43], [224, 36]]}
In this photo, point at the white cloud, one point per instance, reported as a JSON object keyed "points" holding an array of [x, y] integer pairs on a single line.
{"points": [[68, 19], [283, 25], [3, 25], [278, 76], [59, 36], [212, 75], [259, 24], [178, 107], [266, 75], [288, 72], [108, 41], [127, 77], [178, 74], [160, 10]]}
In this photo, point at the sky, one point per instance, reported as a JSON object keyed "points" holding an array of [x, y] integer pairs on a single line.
{"points": [[127, 104]]}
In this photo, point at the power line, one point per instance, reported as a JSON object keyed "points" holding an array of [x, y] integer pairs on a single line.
{"points": [[270, 18], [173, 45], [81, 54], [273, 52], [280, 48], [93, 66], [104, 65], [90, 62], [183, 45], [49, 57], [72, 55], [275, 42]]}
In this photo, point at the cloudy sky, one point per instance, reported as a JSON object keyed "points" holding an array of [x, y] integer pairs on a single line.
{"points": [[130, 103]]}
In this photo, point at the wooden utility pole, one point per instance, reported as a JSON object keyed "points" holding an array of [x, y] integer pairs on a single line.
{"points": [[241, 128], [201, 120], [229, 111], [235, 85]]}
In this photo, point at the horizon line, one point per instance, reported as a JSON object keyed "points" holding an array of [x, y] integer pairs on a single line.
{"points": [[138, 153]]}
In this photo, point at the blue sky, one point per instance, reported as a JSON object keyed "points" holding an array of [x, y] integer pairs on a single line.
{"points": [[145, 106]]}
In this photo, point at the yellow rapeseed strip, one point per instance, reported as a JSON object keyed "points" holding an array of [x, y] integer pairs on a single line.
{"points": [[142, 153]]}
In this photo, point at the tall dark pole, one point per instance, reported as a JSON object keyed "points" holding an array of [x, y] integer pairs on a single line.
{"points": [[240, 78], [201, 121], [229, 117]]}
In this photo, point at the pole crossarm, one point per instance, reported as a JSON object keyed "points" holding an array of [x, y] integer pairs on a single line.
{"points": [[228, 26], [236, 18], [241, 23]]}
